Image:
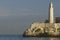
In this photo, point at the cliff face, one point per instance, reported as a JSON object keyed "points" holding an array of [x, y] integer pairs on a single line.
{"points": [[43, 29]]}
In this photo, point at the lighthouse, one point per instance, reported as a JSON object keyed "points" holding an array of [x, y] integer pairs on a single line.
{"points": [[51, 13]]}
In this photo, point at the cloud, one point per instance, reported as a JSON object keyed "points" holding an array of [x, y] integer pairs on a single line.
{"points": [[4, 12], [25, 11], [17, 11]]}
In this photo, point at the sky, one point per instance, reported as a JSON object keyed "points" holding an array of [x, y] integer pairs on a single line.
{"points": [[17, 15], [27, 7]]}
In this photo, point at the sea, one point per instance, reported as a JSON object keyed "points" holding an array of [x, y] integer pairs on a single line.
{"points": [[20, 37]]}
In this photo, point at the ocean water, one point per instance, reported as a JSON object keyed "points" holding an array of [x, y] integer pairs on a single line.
{"points": [[19, 37]]}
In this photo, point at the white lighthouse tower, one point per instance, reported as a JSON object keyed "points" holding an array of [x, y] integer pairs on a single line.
{"points": [[51, 13]]}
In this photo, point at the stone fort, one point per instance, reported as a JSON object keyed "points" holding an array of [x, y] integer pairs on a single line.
{"points": [[51, 28]]}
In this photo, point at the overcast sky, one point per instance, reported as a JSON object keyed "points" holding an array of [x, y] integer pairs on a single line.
{"points": [[17, 15]]}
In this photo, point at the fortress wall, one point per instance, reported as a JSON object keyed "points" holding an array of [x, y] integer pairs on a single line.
{"points": [[57, 25], [49, 27], [43, 25], [37, 25]]}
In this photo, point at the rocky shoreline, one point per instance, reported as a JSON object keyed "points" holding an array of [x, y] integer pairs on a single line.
{"points": [[42, 35]]}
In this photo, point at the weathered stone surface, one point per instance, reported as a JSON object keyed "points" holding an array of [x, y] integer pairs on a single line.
{"points": [[43, 29]]}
